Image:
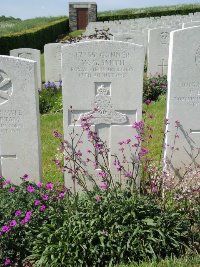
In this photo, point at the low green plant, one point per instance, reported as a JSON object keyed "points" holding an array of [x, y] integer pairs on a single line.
{"points": [[154, 87], [110, 222], [50, 98]]}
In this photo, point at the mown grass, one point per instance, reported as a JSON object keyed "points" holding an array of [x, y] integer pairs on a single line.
{"points": [[158, 110], [52, 122], [128, 11], [185, 262], [49, 144], [14, 26]]}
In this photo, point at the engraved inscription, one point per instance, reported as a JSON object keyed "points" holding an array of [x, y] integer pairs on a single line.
{"points": [[6, 88], [193, 99], [197, 57], [103, 109], [11, 121], [101, 65], [164, 37]]}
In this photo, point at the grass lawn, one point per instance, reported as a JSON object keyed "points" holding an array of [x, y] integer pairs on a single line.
{"points": [[52, 122], [49, 123], [185, 262]]}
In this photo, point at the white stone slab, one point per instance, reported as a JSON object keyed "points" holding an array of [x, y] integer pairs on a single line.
{"points": [[183, 101], [191, 24], [107, 75], [32, 54], [136, 38], [52, 59], [158, 51], [19, 119]]}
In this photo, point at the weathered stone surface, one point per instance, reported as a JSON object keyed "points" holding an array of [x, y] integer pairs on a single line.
{"points": [[158, 51], [19, 120], [52, 59], [106, 76], [32, 54], [183, 101], [191, 24]]}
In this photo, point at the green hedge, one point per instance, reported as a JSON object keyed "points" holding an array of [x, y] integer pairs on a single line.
{"points": [[33, 38], [150, 13]]}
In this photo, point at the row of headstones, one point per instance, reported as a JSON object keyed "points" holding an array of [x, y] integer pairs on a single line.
{"points": [[156, 46], [153, 33], [107, 75], [119, 26]]}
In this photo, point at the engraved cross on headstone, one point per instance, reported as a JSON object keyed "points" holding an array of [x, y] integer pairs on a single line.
{"points": [[163, 65], [104, 115]]}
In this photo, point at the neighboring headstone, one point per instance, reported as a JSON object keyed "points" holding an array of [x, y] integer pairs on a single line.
{"points": [[183, 101], [19, 120], [80, 14], [107, 75], [158, 51], [191, 24], [52, 59], [136, 38], [32, 54]]}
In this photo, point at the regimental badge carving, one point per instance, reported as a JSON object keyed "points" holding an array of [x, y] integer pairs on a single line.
{"points": [[197, 57], [164, 37], [103, 109], [6, 88]]}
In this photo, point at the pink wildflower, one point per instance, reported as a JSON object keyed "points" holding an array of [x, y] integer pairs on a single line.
{"points": [[18, 213], [102, 174], [128, 174], [40, 184], [49, 186], [25, 177], [43, 208], [148, 102], [5, 229], [98, 199], [37, 202], [7, 262], [13, 223], [103, 186], [30, 189], [61, 195], [12, 189], [56, 134], [45, 197], [128, 141]]}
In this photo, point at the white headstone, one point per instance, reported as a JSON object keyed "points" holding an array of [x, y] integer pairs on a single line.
{"points": [[158, 51], [191, 24], [52, 59], [32, 54], [106, 75], [183, 101], [19, 120], [137, 38]]}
